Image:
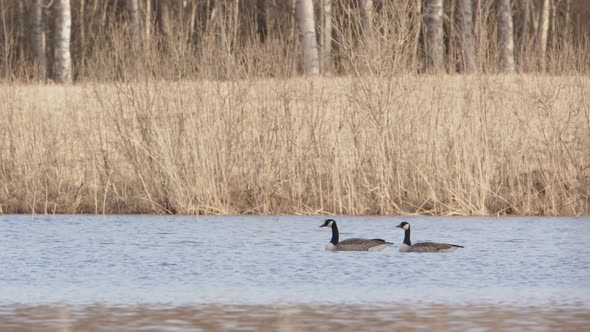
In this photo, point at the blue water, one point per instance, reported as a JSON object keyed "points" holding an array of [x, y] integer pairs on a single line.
{"points": [[250, 260]]}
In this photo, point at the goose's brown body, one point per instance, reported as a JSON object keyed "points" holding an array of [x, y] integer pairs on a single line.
{"points": [[354, 244]]}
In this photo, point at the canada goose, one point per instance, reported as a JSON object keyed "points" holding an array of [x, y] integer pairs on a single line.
{"points": [[354, 244], [407, 246]]}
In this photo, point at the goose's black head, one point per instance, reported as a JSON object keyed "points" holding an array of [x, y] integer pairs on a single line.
{"points": [[328, 223], [404, 225]]}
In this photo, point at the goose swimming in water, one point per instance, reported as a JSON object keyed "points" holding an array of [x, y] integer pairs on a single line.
{"points": [[354, 244], [407, 246]]}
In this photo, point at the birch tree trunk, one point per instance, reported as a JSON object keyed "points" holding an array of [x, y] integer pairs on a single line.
{"points": [[293, 28], [525, 31], [21, 34], [148, 24], [434, 35], [418, 21], [451, 39], [553, 24], [544, 33], [235, 23], [306, 24], [505, 36], [326, 37], [568, 20], [82, 37], [219, 16], [38, 39], [535, 20], [192, 28], [134, 24], [477, 22], [466, 14], [63, 27], [366, 11], [164, 18]]}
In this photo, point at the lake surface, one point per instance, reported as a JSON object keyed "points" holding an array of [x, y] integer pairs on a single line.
{"points": [[272, 273]]}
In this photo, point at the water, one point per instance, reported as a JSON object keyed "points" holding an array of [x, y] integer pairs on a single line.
{"points": [[530, 271]]}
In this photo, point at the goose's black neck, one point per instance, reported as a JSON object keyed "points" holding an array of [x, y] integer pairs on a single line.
{"points": [[407, 237], [334, 240]]}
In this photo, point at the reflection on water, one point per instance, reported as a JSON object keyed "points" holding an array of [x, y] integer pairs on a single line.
{"points": [[293, 318]]}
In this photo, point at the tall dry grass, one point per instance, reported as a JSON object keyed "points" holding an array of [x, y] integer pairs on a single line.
{"points": [[456, 145]]}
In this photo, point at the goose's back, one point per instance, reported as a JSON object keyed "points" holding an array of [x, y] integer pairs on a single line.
{"points": [[356, 244], [433, 247]]}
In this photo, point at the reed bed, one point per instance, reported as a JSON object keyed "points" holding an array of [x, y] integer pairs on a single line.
{"points": [[444, 145]]}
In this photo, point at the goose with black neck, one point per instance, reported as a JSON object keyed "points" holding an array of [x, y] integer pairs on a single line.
{"points": [[407, 245], [353, 244]]}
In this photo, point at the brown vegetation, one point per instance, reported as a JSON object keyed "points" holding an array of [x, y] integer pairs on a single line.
{"points": [[408, 144]]}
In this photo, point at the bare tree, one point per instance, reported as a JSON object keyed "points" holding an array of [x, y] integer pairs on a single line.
{"points": [[543, 33], [525, 31], [134, 24], [219, 18], [164, 18], [434, 35], [450, 34], [505, 36], [63, 27], [305, 21], [568, 20], [553, 23], [38, 44], [21, 30], [148, 23], [193, 35], [81, 48], [466, 15], [235, 21], [326, 37], [366, 11], [418, 20], [262, 28]]}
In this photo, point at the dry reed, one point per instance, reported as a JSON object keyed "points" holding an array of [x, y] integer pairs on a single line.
{"points": [[452, 145]]}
